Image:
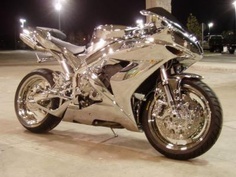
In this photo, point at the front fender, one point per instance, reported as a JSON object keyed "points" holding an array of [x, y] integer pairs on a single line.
{"points": [[176, 80]]}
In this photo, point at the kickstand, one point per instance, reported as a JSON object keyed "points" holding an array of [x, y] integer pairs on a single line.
{"points": [[114, 133]]}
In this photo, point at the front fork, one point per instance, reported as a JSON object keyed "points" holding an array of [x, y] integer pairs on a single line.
{"points": [[166, 85], [172, 87]]}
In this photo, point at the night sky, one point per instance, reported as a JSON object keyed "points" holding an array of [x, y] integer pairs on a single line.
{"points": [[84, 15]]}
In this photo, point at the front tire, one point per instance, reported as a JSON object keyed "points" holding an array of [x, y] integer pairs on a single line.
{"points": [[193, 130], [35, 85]]}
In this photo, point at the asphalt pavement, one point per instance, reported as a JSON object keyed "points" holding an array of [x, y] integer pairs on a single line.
{"points": [[72, 150]]}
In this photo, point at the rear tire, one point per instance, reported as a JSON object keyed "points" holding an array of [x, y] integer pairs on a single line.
{"points": [[191, 134], [31, 117]]}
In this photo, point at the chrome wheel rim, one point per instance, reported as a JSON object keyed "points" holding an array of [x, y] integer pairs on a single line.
{"points": [[187, 128], [33, 92]]}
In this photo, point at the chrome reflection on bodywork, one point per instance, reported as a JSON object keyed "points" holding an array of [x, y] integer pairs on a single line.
{"points": [[126, 77], [140, 51], [181, 39]]}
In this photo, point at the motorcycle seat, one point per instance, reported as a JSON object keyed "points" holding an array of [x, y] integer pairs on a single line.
{"points": [[58, 37], [71, 47]]}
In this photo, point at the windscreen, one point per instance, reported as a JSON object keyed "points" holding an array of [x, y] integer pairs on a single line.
{"points": [[164, 13], [172, 19]]}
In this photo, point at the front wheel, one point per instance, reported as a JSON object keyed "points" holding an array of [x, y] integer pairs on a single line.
{"points": [[189, 131], [34, 86]]}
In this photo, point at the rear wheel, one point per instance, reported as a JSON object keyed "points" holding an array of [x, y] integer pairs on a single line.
{"points": [[34, 86], [191, 131]]}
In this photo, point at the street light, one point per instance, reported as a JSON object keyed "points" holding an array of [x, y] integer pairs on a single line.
{"points": [[234, 3], [210, 25], [58, 8], [140, 23], [22, 21]]}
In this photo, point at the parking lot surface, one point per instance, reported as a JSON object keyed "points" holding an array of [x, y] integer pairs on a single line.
{"points": [[84, 151]]}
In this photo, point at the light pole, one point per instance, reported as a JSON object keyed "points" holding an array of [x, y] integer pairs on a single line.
{"points": [[210, 25], [234, 4], [22, 26], [58, 8], [203, 29]]}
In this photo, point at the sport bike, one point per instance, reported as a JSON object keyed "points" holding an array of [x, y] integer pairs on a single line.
{"points": [[126, 77]]}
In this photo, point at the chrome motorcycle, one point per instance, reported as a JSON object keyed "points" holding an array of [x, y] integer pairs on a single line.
{"points": [[127, 77]]}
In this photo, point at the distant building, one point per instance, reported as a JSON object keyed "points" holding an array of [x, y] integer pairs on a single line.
{"points": [[159, 3]]}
